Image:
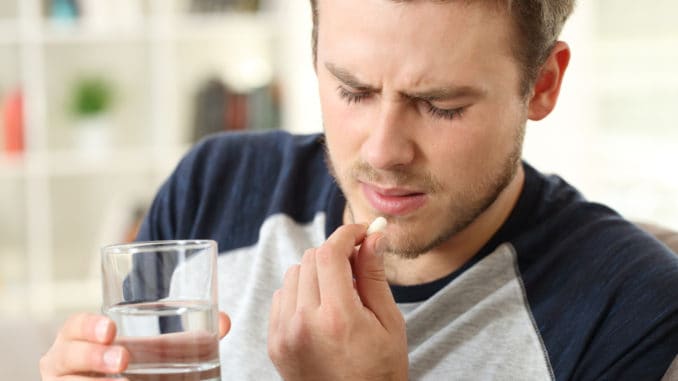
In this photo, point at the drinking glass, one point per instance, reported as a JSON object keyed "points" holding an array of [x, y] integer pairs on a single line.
{"points": [[162, 296]]}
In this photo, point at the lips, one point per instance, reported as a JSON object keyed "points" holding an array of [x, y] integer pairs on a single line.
{"points": [[393, 201]]}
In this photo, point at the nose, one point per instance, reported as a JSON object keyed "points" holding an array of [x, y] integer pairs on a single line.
{"points": [[389, 142]]}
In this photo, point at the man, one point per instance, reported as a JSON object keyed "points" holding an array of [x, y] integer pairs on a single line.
{"points": [[486, 270]]}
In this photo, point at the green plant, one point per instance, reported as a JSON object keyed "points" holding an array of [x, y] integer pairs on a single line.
{"points": [[91, 96]]}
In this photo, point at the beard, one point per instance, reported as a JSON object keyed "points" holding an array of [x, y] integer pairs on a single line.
{"points": [[459, 207]]}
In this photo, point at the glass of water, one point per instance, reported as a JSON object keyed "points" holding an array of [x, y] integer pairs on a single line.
{"points": [[162, 296]]}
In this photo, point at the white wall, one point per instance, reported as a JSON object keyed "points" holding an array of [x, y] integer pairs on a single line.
{"points": [[612, 134]]}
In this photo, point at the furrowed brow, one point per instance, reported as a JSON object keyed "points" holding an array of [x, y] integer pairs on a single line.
{"points": [[447, 93], [347, 78]]}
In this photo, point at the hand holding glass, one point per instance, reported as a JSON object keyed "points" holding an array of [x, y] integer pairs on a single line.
{"points": [[163, 298]]}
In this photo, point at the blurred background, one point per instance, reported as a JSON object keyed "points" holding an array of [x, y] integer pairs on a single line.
{"points": [[99, 99]]}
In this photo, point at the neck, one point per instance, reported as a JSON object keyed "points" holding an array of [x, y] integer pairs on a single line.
{"points": [[461, 247]]}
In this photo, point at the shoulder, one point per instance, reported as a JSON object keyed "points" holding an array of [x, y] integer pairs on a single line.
{"points": [[229, 183], [246, 159], [601, 289], [562, 221], [235, 149], [593, 244]]}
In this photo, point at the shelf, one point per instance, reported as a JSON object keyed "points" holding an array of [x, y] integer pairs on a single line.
{"points": [[76, 163], [64, 297], [12, 266], [13, 237], [55, 33], [12, 165], [183, 27], [8, 32], [64, 197], [8, 8], [226, 26], [234, 20]]}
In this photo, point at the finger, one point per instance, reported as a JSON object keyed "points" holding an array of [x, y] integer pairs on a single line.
{"points": [[78, 357], [274, 316], [373, 288], [224, 324], [88, 327], [346, 238], [335, 276], [288, 296], [308, 295]]}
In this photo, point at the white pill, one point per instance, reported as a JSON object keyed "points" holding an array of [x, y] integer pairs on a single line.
{"points": [[377, 225]]}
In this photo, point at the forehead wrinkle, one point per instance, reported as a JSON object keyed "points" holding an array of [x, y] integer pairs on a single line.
{"points": [[447, 92], [441, 93]]}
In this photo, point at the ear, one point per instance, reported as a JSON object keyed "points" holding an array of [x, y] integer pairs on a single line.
{"points": [[547, 86]]}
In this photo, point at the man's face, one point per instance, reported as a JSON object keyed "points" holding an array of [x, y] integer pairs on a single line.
{"points": [[422, 113]]}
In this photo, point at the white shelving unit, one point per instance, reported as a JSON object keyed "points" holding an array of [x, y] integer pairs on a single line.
{"points": [[64, 202]]}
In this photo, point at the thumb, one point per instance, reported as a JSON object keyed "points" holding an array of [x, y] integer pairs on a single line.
{"points": [[224, 324], [371, 283]]}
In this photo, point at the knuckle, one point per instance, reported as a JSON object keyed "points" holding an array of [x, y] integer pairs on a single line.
{"points": [[274, 348], [351, 230], [276, 297], [299, 332], [56, 366], [44, 365], [378, 274], [348, 229], [78, 326], [95, 358], [324, 252], [291, 272], [334, 323], [300, 320], [279, 349], [309, 257], [77, 320]]}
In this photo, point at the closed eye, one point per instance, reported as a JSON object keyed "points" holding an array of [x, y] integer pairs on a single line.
{"points": [[448, 114], [436, 112], [350, 96]]}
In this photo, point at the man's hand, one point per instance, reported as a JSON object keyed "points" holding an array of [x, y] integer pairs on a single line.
{"points": [[323, 326], [84, 348]]}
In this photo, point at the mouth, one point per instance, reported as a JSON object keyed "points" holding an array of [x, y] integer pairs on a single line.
{"points": [[393, 201]]}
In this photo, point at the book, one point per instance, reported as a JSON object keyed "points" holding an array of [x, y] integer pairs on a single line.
{"points": [[63, 11], [13, 122], [221, 6], [219, 108]]}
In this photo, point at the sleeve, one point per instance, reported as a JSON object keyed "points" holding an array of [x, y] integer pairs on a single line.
{"points": [[640, 338], [151, 274], [174, 208]]}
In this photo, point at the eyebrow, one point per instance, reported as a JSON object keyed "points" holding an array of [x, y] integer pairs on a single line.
{"points": [[447, 93], [437, 94], [347, 78]]}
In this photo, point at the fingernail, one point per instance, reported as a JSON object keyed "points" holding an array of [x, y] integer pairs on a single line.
{"points": [[112, 358], [101, 330], [380, 246]]}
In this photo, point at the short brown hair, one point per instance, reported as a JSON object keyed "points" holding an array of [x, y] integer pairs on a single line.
{"points": [[538, 24]]}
